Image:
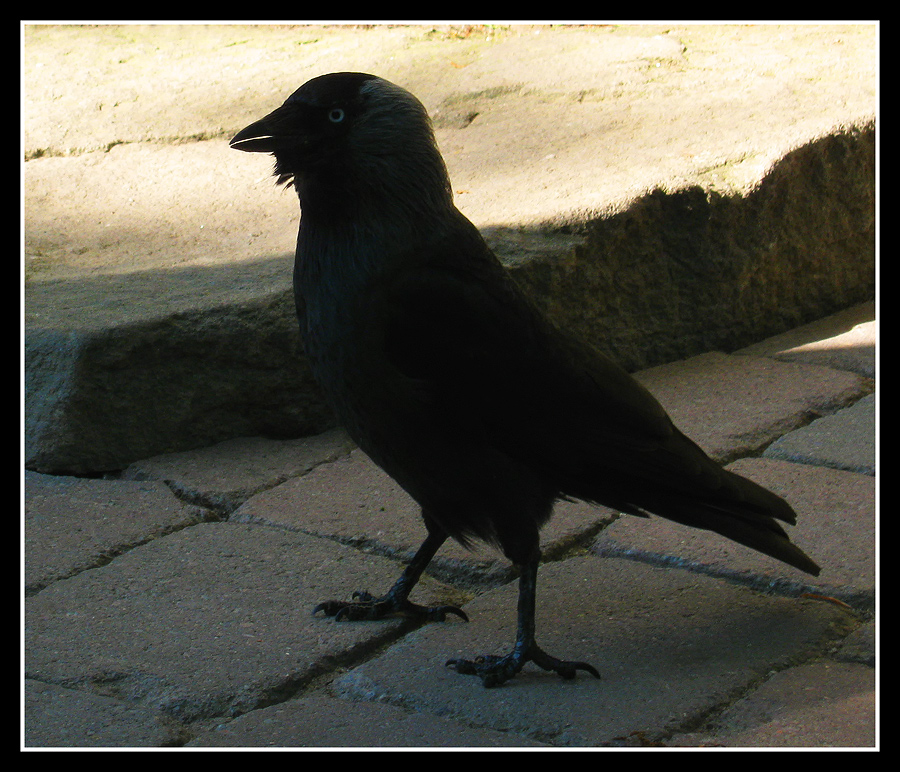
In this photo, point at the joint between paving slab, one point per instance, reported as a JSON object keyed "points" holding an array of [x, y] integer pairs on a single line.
{"points": [[109, 555], [804, 419]]}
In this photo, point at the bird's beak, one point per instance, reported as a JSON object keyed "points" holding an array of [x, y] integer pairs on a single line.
{"points": [[268, 134], [256, 138]]}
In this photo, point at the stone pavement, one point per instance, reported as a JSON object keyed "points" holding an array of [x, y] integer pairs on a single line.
{"points": [[169, 586], [171, 606]]}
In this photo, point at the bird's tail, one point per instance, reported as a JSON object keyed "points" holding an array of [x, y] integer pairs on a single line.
{"points": [[743, 512]]}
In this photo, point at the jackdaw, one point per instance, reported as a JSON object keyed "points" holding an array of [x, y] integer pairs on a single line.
{"points": [[448, 376]]}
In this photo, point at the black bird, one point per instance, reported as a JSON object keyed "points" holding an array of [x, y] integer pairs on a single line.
{"points": [[451, 380]]}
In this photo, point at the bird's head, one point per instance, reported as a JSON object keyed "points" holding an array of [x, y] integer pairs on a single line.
{"points": [[348, 140]]}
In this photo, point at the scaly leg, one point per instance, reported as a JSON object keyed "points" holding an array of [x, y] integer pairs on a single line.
{"points": [[495, 670], [396, 601]]}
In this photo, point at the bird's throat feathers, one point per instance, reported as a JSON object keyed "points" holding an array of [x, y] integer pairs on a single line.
{"points": [[371, 191], [337, 258], [353, 229]]}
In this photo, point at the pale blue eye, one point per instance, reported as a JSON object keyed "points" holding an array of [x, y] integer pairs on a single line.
{"points": [[336, 115]]}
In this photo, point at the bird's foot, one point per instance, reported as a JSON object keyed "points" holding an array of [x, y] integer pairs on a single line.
{"points": [[365, 607], [495, 670]]}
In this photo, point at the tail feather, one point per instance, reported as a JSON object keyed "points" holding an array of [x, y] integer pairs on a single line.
{"points": [[757, 531], [743, 512]]}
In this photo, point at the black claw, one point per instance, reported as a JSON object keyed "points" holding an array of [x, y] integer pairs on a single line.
{"points": [[561, 667], [440, 613], [330, 607]]}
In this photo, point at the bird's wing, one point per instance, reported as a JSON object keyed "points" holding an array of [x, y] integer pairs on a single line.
{"points": [[480, 351]]}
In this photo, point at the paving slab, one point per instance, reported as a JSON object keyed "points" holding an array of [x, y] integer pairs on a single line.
{"points": [[860, 646], [845, 440], [735, 406], [225, 475], [73, 524], [322, 721], [68, 718], [212, 620], [806, 706], [669, 645], [225, 589], [56, 717]]}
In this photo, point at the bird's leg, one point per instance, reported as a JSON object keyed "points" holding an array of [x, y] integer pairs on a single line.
{"points": [[396, 601], [495, 670]]}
